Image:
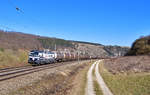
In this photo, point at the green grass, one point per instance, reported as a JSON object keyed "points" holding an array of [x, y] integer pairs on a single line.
{"points": [[97, 89], [127, 84]]}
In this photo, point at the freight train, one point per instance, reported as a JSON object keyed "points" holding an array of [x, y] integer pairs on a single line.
{"points": [[37, 57]]}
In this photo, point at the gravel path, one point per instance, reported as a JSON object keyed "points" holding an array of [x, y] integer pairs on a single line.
{"points": [[102, 85], [100, 81], [90, 88]]}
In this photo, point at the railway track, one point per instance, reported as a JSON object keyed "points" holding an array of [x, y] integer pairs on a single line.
{"points": [[13, 68], [10, 73]]}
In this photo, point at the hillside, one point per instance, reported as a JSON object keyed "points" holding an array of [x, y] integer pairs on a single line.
{"points": [[14, 40], [17, 40], [140, 47]]}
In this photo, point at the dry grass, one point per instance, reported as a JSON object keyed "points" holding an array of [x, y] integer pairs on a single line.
{"points": [[58, 83], [11, 58], [80, 81], [127, 84], [128, 64]]}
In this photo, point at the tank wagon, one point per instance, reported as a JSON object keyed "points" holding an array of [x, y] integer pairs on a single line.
{"points": [[47, 57]]}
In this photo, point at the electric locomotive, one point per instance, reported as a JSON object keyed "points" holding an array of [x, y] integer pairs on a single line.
{"points": [[41, 57]]}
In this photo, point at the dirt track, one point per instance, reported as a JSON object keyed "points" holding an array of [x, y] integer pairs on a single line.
{"points": [[90, 89]]}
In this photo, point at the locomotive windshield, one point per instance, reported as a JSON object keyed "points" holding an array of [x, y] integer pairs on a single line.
{"points": [[34, 54]]}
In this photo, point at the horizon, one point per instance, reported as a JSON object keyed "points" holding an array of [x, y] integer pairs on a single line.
{"points": [[111, 22]]}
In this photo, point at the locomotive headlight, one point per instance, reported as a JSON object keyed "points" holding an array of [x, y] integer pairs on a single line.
{"points": [[33, 59]]}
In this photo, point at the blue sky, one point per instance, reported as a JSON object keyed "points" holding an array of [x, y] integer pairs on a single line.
{"points": [[109, 22]]}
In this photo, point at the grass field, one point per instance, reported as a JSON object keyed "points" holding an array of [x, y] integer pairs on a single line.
{"points": [[127, 83]]}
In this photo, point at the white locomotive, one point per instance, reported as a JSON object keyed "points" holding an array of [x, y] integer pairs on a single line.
{"points": [[41, 57]]}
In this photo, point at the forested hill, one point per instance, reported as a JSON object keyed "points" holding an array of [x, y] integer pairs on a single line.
{"points": [[141, 46], [17, 40]]}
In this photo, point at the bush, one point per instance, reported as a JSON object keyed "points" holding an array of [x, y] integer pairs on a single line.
{"points": [[2, 49]]}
